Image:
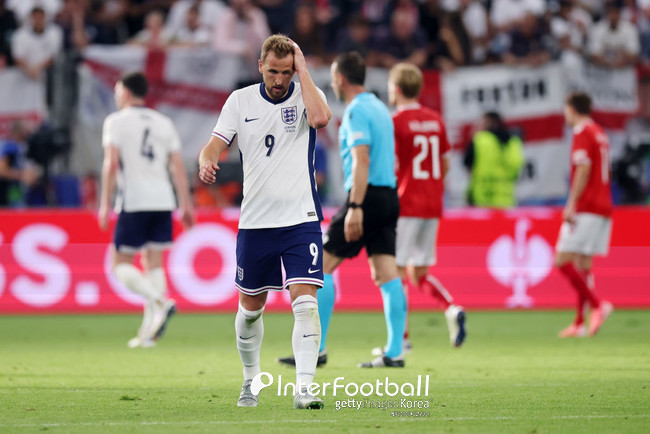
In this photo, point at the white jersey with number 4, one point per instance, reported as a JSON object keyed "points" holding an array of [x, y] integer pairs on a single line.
{"points": [[277, 151], [144, 138]]}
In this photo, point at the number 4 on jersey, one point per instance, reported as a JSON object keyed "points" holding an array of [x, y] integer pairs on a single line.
{"points": [[146, 149]]}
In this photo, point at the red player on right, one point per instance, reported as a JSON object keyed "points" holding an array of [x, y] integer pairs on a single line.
{"points": [[587, 223]]}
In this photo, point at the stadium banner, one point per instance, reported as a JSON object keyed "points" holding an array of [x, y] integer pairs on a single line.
{"points": [[614, 93], [22, 99], [58, 261], [191, 85]]}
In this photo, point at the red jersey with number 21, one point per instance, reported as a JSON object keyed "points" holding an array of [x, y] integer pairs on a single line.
{"points": [[420, 144], [591, 146]]}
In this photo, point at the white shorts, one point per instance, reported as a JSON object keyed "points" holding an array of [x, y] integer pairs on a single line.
{"points": [[416, 241], [588, 235]]}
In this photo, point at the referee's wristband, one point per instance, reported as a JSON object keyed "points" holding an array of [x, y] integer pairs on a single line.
{"points": [[353, 205]]}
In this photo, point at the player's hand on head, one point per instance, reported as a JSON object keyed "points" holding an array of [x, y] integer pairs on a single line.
{"points": [[353, 225], [208, 172], [299, 62]]}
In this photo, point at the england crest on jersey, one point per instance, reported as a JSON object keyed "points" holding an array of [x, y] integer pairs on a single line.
{"points": [[289, 115]]}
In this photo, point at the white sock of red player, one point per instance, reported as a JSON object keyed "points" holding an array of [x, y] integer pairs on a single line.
{"points": [[305, 339], [432, 287], [249, 332]]}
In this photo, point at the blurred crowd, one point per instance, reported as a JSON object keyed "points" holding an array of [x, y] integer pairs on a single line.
{"points": [[429, 33], [433, 34]]}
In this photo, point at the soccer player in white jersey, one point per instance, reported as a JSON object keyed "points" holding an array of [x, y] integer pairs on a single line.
{"points": [[141, 147], [274, 124]]}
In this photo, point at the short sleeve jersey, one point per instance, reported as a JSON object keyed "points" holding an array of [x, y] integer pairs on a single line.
{"points": [[367, 121], [421, 144], [591, 146], [145, 138], [277, 152]]}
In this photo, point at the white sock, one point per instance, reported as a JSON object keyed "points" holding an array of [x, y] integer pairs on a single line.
{"points": [[249, 331], [147, 320], [306, 338], [133, 279], [157, 279]]}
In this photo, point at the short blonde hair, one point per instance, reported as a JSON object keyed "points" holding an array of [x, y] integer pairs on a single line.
{"points": [[279, 44], [408, 78]]}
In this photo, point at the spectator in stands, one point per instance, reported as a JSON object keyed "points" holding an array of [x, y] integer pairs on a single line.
{"points": [[529, 43], [406, 42], [15, 173], [506, 14], [280, 14], [72, 19], [208, 14], [8, 25], [614, 42], [494, 159], [242, 29], [356, 36], [569, 27], [105, 23], [448, 42], [36, 44], [154, 35], [643, 22], [23, 8], [136, 12], [475, 19], [193, 33], [457, 48], [308, 34]]}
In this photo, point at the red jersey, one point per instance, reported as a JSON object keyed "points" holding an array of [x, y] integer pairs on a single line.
{"points": [[420, 144], [591, 146]]}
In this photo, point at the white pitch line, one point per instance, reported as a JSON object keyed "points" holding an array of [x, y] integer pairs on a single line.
{"points": [[254, 422], [209, 422]]}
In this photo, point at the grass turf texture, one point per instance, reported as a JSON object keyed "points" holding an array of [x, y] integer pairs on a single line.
{"points": [[75, 374]]}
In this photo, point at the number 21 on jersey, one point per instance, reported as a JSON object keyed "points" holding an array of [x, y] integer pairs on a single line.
{"points": [[424, 143]]}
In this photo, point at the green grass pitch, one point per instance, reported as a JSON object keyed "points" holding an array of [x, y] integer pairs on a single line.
{"points": [[74, 374]]}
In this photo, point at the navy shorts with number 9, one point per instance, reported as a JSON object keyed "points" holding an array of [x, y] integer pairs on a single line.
{"points": [[261, 253]]}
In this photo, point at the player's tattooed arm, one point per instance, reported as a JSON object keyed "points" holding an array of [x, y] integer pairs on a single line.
{"points": [[318, 112], [209, 159]]}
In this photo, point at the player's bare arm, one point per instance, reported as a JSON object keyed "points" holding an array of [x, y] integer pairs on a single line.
{"points": [[109, 176], [209, 159], [182, 187], [353, 227], [318, 112], [580, 179]]}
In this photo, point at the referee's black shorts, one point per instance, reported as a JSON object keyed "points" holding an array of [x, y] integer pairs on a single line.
{"points": [[380, 213]]}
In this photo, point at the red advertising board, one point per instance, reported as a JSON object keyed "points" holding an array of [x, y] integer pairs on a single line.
{"points": [[58, 261]]}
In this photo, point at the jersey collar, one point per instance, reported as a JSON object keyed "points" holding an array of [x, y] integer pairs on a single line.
{"points": [[581, 126], [412, 106], [280, 101]]}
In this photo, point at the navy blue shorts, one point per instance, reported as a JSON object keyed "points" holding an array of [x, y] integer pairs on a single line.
{"points": [[261, 253], [136, 230]]}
